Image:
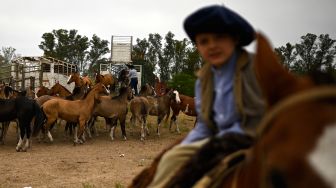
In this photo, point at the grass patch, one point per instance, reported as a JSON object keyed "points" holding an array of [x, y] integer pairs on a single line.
{"points": [[118, 185], [88, 185]]}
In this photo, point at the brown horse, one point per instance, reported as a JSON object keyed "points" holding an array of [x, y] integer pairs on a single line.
{"points": [[147, 90], [160, 87], [293, 146], [186, 105], [113, 110], [59, 90], [160, 106], [108, 80], [78, 111], [42, 90], [139, 107], [79, 81]]}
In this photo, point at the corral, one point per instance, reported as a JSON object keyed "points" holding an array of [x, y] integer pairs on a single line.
{"points": [[24, 72]]}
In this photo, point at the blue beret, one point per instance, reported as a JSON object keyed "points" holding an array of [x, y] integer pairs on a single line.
{"points": [[219, 19]]}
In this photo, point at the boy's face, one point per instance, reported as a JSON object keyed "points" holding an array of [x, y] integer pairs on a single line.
{"points": [[215, 49]]}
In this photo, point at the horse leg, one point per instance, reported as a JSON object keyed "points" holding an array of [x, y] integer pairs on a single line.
{"points": [[144, 121], [50, 123], [21, 136], [176, 124], [122, 125], [143, 128], [5, 126], [27, 133], [160, 117], [172, 119], [94, 126], [80, 132], [132, 120], [88, 128]]}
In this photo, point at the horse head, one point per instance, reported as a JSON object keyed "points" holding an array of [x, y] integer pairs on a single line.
{"points": [[294, 139], [74, 77]]}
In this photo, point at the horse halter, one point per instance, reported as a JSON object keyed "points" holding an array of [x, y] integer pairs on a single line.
{"points": [[314, 94]]}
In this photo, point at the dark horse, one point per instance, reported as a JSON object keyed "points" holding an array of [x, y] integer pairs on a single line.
{"points": [[24, 110], [292, 147]]}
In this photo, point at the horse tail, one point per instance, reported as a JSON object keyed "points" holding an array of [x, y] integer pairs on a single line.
{"points": [[39, 119]]}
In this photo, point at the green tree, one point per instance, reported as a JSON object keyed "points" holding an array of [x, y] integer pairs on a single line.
{"points": [[180, 56], [72, 47], [2, 59], [184, 83], [99, 48], [311, 54], [140, 57], [287, 54], [154, 50], [8, 54], [193, 60], [167, 56]]}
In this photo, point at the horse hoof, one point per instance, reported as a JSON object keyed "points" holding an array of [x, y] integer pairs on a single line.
{"points": [[18, 149]]}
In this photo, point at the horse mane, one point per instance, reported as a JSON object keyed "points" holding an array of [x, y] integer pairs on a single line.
{"points": [[87, 93]]}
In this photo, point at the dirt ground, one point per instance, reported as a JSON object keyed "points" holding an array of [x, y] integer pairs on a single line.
{"points": [[99, 162]]}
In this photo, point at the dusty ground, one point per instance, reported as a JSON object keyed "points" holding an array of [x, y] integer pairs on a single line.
{"points": [[97, 163]]}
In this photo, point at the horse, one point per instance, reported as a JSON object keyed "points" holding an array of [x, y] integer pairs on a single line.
{"points": [[187, 106], [9, 93], [108, 80], [160, 106], [59, 90], [139, 107], [123, 78], [160, 87], [292, 147], [23, 109], [113, 110], [78, 111], [42, 90], [79, 81], [147, 90], [30, 93]]}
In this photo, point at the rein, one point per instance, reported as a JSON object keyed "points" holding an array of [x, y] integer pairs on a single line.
{"points": [[318, 93]]}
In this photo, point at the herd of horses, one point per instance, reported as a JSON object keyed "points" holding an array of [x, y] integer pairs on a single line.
{"points": [[293, 146], [82, 106]]}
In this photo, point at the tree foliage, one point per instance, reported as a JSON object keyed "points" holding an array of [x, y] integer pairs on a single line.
{"points": [[165, 56], [183, 83], [69, 46], [313, 53], [96, 54], [7, 54]]}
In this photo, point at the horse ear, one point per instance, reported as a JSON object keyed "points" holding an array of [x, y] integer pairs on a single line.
{"points": [[275, 81]]}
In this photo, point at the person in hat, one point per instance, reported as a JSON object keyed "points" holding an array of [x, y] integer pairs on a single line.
{"points": [[227, 96], [133, 76]]}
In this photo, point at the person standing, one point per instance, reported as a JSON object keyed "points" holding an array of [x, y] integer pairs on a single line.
{"points": [[133, 75]]}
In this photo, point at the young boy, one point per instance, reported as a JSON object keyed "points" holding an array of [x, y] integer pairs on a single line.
{"points": [[228, 99]]}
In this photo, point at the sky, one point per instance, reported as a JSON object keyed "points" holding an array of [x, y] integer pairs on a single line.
{"points": [[23, 22]]}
